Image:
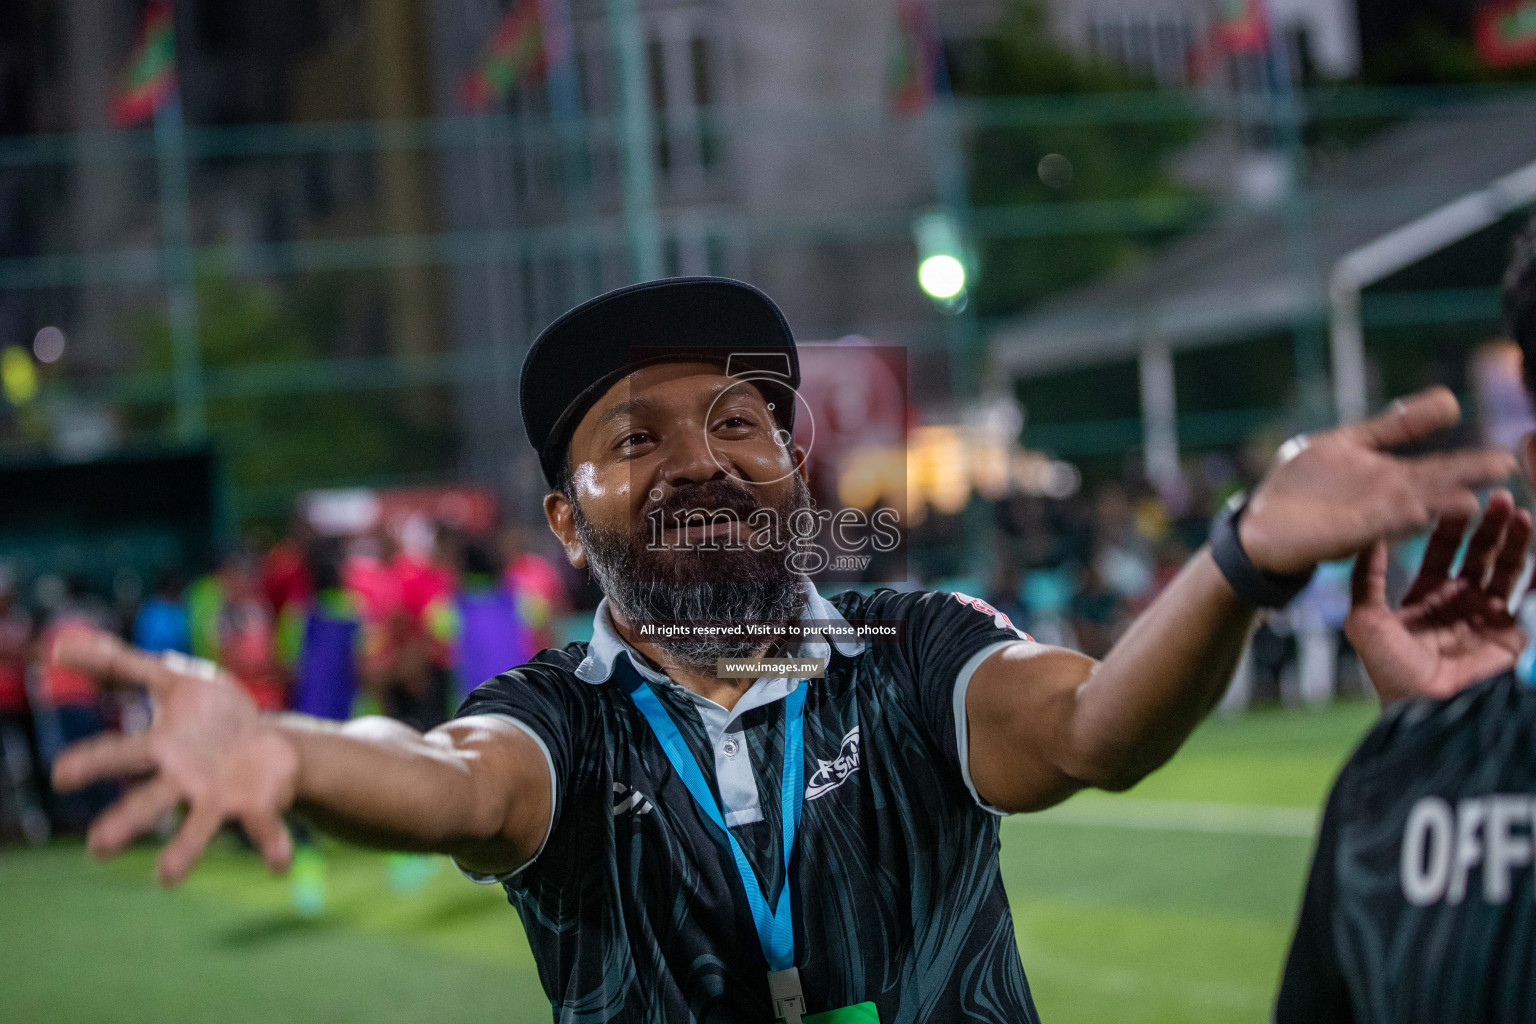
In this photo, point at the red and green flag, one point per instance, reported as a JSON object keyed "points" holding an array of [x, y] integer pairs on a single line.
{"points": [[914, 62], [151, 74], [1242, 26], [515, 55], [1505, 31]]}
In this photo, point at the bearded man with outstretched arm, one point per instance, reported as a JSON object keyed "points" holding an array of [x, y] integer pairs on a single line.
{"points": [[685, 846]]}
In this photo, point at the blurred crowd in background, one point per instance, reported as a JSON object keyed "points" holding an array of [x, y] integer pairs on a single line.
{"points": [[403, 626], [1071, 267]]}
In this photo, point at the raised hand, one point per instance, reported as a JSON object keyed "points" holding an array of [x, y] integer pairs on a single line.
{"points": [[208, 750], [1345, 490], [1450, 632]]}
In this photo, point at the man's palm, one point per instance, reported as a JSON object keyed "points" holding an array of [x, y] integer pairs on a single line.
{"points": [[208, 750], [1450, 632]]}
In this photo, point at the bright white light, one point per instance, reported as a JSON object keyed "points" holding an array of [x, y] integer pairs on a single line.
{"points": [[942, 276], [48, 345]]}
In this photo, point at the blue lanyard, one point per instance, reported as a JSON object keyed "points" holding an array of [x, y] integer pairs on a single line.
{"points": [[775, 929]]}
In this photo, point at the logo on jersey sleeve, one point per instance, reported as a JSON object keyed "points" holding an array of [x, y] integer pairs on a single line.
{"points": [[999, 620], [626, 800], [831, 774]]}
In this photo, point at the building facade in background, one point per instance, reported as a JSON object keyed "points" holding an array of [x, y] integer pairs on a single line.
{"points": [[772, 154], [1157, 38], [374, 247]]}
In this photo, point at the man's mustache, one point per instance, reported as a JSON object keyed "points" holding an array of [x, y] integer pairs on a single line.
{"points": [[711, 497]]}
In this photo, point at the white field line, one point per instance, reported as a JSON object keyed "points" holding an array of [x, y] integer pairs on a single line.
{"points": [[1180, 816]]}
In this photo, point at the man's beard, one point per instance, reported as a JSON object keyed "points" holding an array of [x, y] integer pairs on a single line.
{"points": [[696, 585]]}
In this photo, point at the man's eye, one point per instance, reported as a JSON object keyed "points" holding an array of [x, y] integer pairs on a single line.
{"points": [[639, 437], [734, 422]]}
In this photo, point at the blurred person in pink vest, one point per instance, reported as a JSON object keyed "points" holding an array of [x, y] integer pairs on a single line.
{"points": [[285, 569], [536, 584], [406, 661], [244, 633], [20, 800]]}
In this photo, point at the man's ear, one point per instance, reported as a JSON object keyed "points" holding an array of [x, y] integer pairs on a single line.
{"points": [[1527, 456], [802, 465], [562, 523]]}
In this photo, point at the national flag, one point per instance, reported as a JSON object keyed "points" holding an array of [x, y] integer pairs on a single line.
{"points": [[1241, 27], [516, 55], [151, 74], [915, 61], [1505, 31]]}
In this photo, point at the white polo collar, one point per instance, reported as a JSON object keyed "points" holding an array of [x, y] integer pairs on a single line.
{"points": [[607, 645]]}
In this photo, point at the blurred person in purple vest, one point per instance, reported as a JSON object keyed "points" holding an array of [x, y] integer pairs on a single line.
{"points": [[321, 641], [488, 625]]}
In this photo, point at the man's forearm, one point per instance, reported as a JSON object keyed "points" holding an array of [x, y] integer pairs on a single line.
{"points": [[379, 783], [1166, 674], [1045, 722]]}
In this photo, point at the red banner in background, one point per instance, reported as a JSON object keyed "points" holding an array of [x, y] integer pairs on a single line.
{"points": [[356, 511], [1505, 32], [853, 422]]}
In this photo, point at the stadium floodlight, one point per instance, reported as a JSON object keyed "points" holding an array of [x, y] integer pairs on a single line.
{"points": [[941, 267], [942, 276]]}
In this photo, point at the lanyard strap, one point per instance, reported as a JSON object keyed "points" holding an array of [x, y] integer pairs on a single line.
{"points": [[775, 929]]}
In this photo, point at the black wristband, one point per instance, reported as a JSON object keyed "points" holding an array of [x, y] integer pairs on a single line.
{"points": [[1252, 584]]}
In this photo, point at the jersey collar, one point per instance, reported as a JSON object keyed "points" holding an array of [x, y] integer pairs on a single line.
{"points": [[607, 645]]}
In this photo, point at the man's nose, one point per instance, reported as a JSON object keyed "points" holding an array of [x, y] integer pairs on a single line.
{"points": [[688, 459]]}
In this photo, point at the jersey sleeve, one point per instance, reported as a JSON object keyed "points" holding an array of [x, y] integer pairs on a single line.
{"points": [[1313, 989], [536, 702], [947, 637]]}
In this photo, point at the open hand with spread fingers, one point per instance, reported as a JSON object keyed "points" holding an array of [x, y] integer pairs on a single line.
{"points": [[208, 750], [1451, 631], [1345, 489]]}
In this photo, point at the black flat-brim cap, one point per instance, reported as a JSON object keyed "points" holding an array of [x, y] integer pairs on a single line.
{"points": [[575, 360]]}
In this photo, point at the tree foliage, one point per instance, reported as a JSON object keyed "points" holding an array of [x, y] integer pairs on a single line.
{"points": [[1108, 161], [280, 440]]}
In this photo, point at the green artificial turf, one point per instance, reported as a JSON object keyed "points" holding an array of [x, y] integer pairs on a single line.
{"points": [[1186, 917], [1151, 906]]}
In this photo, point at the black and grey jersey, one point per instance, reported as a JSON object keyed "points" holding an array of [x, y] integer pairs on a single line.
{"points": [[1421, 904], [634, 909]]}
